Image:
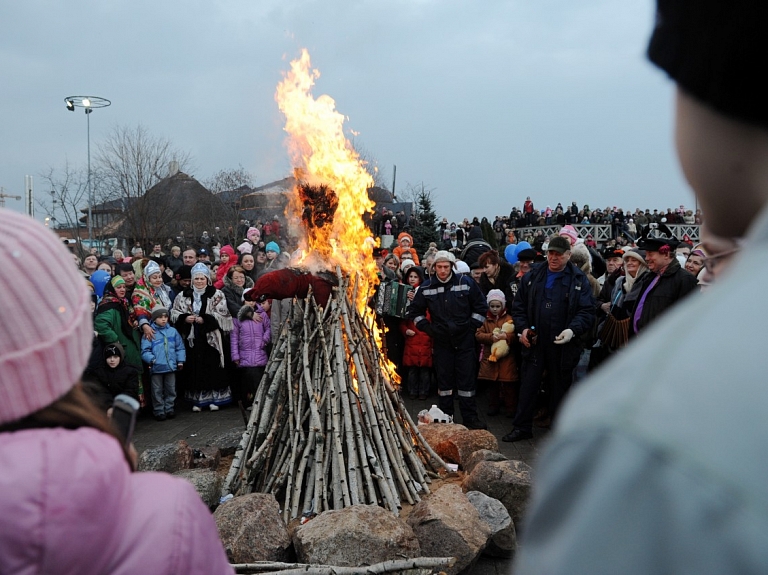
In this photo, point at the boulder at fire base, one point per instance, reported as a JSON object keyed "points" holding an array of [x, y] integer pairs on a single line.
{"points": [[355, 536], [252, 529], [435, 433], [503, 540], [508, 481], [448, 525], [459, 447], [455, 443]]}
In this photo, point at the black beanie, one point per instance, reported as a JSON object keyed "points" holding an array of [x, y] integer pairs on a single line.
{"points": [[716, 51]]}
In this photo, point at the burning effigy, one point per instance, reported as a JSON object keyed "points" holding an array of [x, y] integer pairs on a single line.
{"points": [[328, 428]]}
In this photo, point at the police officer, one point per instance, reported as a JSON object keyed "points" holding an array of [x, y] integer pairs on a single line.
{"points": [[456, 309], [555, 299]]}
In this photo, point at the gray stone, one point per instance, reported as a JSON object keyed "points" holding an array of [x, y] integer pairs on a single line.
{"points": [[206, 482], [228, 441], [503, 541], [508, 481], [171, 457], [448, 525], [355, 536], [251, 529], [483, 455], [460, 446]]}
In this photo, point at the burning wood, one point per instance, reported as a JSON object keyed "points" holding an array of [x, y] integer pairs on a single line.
{"points": [[328, 428]]}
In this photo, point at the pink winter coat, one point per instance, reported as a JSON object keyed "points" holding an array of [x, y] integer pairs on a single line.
{"points": [[249, 338], [69, 504]]}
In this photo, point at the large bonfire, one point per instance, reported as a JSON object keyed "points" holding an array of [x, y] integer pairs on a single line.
{"points": [[328, 428]]}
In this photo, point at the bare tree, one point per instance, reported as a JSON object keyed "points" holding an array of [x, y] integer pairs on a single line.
{"points": [[67, 197], [227, 189], [130, 162], [228, 180]]}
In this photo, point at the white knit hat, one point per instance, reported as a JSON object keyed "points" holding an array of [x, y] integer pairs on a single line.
{"points": [[46, 333], [444, 256], [496, 295]]}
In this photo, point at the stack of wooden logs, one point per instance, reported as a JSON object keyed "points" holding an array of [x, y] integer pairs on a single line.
{"points": [[328, 428]]}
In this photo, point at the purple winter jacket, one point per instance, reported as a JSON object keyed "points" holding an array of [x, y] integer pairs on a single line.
{"points": [[69, 504], [249, 338]]}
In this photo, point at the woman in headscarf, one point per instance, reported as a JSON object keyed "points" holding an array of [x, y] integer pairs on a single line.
{"points": [[624, 295], [201, 316], [116, 321], [150, 292]]}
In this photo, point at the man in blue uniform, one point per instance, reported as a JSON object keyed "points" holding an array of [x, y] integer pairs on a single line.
{"points": [[456, 309], [555, 299]]}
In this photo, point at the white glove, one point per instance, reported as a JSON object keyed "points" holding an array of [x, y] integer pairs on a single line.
{"points": [[565, 336]]}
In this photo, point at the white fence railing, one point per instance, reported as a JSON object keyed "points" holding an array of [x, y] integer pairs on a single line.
{"points": [[602, 232]]}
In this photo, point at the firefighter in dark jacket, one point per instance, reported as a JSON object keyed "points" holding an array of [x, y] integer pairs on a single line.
{"points": [[457, 308], [555, 303]]}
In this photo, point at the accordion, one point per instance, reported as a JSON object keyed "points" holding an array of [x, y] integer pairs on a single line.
{"points": [[392, 299]]}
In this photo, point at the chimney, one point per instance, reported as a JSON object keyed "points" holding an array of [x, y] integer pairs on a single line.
{"points": [[173, 168]]}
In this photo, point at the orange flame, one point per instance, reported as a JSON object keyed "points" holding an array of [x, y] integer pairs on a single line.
{"points": [[322, 157], [331, 195]]}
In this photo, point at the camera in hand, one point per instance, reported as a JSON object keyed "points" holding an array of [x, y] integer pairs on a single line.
{"points": [[533, 337], [124, 411]]}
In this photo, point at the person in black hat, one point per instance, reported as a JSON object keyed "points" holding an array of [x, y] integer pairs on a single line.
{"points": [[183, 279], [553, 308], [667, 283]]}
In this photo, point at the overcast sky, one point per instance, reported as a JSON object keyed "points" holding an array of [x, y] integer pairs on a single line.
{"points": [[484, 102]]}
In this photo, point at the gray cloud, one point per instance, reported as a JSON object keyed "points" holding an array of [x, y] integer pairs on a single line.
{"points": [[486, 102]]}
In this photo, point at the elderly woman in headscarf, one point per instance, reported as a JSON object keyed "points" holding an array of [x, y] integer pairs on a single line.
{"points": [[150, 292], [201, 316], [624, 295]]}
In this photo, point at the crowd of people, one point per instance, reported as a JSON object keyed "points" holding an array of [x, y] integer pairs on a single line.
{"points": [[567, 306], [177, 327], [654, 466]]}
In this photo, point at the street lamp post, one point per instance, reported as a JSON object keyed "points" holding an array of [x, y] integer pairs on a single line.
{"points": [[89, 103]]}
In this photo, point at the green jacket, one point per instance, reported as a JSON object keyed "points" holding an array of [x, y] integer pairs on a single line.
{"points": [[108, 325]]}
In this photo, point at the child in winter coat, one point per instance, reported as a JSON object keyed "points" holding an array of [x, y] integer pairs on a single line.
{"points": [[417, 352], [249, 339], [500, 375], [228, 259], [112, 377], [165, 354]]}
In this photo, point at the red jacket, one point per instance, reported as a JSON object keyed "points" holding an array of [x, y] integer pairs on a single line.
{"points": [[417, 351]]}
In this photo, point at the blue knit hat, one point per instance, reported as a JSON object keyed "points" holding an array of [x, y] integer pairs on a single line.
{"points": [[272, 247]]}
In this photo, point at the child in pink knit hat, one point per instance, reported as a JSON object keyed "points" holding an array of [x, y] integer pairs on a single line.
{"points": [[70, 501]]}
